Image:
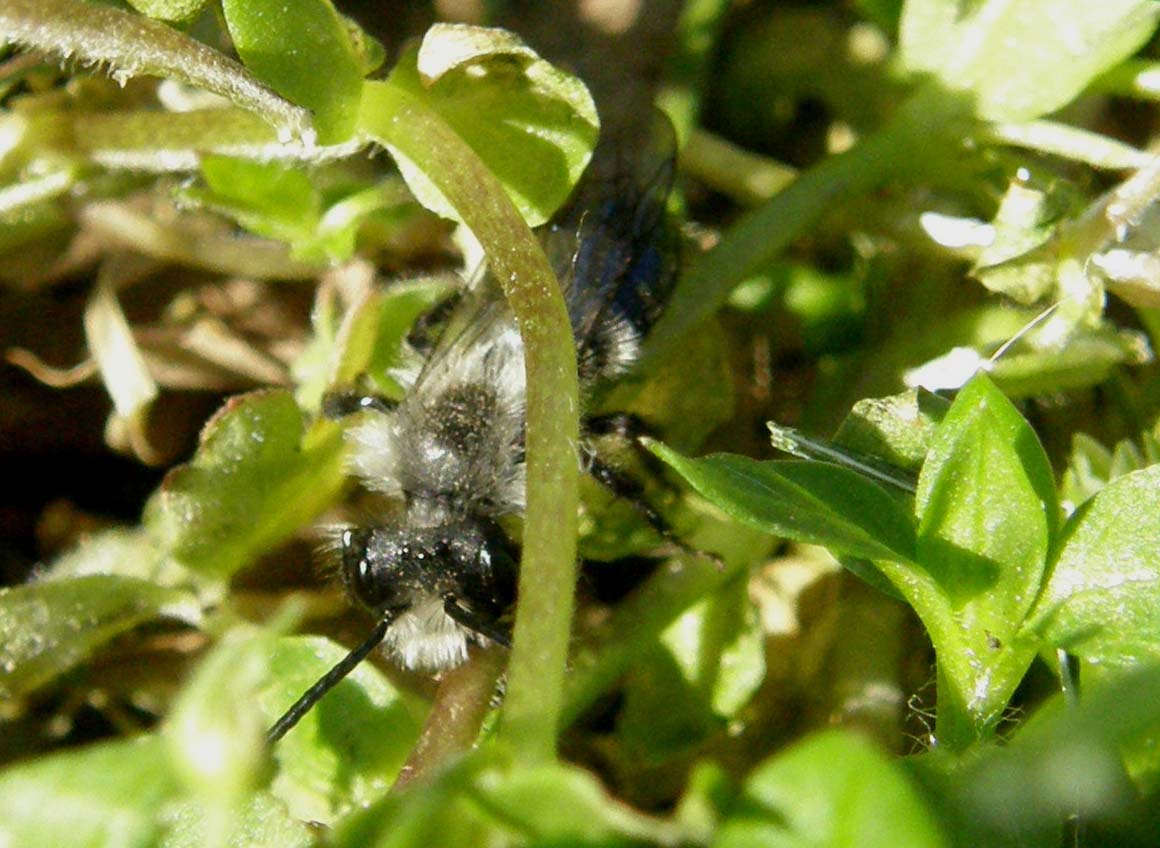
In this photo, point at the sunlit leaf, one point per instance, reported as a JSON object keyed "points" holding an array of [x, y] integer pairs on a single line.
{"points": [[287, 42], [257, 477], [346, 751], [106, 796], [261, 823], [1102, 600], [1024, 59], [563, 805], [987, 514], [897, 429]]}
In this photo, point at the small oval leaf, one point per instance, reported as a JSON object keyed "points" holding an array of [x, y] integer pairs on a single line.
{"points": [[258, 476], [833, 789], [346, 751], [103, 795], [286, 42]]}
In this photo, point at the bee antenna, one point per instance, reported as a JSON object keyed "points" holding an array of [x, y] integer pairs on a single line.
{"points": [[329, 680]]}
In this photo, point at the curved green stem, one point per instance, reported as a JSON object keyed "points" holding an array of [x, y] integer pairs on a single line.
{"points": [[547, 571]]}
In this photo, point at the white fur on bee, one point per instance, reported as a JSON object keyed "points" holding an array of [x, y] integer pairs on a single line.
{"points": [[425, 638], [624, 344], [374, 444]]}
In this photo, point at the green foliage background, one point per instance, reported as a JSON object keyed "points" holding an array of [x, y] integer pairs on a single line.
{"points": [[921, 259]]}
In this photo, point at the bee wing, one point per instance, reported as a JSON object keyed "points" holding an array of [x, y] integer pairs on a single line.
{"points": [[616, 252], [480, 330]]}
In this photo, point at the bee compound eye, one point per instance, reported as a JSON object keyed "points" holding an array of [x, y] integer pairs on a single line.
{"points": [[358, 570]]}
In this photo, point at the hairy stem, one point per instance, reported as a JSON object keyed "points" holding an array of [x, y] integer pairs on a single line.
{"points": [[134, 45]]}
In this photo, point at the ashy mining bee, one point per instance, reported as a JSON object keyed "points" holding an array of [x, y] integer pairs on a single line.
{"points": [[442, 572]]}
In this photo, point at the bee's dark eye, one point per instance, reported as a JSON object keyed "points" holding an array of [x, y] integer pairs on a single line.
{"points": [[358, 572]]}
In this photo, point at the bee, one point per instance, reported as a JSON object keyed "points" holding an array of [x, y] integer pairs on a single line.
{"points": [[442, 573]]}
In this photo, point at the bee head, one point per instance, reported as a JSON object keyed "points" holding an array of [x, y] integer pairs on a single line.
{"points": [[391, 568]]}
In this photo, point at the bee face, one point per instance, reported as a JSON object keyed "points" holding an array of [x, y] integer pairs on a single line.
{"points": [[386, 569]]}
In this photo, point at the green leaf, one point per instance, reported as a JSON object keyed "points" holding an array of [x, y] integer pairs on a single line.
{"points": [[1021, 60], [560, 804], [1102, 601], [256, 478], [347, 750], [261, 823], [303, 50], [103, 796], [215, 735], [216, 711], [987, 514], [121, 552], [279, 202], [811, 502], [533, 125], [266, 198], [48, 627], [434, 812], [832, 789], [986, 504]]}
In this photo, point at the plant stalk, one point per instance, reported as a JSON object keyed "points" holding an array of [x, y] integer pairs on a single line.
{"points": [[134, 45], [548, 567], [930, 117]]}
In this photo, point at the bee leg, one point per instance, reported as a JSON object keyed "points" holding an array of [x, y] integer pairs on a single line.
{"points": [[628, 428], [483, 624], [627, 425], [340, 404], [630, 490]]}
